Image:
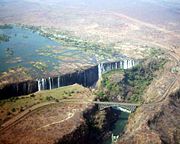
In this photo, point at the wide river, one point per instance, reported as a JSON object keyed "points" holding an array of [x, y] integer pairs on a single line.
{"points": [[39, 54]]}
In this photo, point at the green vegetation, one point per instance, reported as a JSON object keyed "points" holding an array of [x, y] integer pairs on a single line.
{"points": [[129, 85], [13, 110], [24, 36], [4, 38], [101, 123], [155, 52], [40, 65], [49, 98], [6, 26], [88, 46], [14, 105], [175, 69], [67, 39]]}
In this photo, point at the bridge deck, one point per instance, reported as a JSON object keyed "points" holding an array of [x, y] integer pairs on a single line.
{"points": [[116, 103], [126, 106]]}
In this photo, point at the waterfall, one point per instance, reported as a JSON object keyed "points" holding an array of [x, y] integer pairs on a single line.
{"points": [[125, 64], [103, 68], [121, 64], [43, 84], [116, 65], [99, 71], [129, 64], [84, 78], [133, 63], [109, 67], [50, 87], [58, 81], [39, 85]]}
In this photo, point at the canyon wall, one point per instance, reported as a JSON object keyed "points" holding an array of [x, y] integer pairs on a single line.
{"points": [[16, 89], [87, 77], [155, 123], [97, 127]]}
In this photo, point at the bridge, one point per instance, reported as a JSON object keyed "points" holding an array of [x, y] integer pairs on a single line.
{"points": [[126, 107]]}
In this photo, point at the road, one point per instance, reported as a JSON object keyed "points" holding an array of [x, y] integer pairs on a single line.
{"points": [[115, 103], [34, 108]]}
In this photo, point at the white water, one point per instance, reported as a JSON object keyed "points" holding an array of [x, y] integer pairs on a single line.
{"points": [[102, 68], [39, 85], [43, 83], [58, 81], [124, 110], [50, 83]]}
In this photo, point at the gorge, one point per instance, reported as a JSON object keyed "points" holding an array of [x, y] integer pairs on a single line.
{"points": [[89, 72], [86, 77]]}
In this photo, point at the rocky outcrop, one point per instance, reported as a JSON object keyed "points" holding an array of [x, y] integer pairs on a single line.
{"points": [[16, 89], [96, 129], [78, 136], [166, 122], [158, 123]]}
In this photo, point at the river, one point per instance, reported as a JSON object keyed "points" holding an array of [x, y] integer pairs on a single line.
{"points": [[119, 126]]}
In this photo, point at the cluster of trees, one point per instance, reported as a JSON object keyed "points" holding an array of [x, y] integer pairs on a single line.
{"points": [[133, 83], [4, 38], [6, 26]]}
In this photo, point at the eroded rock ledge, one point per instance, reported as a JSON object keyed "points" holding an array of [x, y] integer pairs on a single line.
{"points": [[96, 128], [158, 123]]}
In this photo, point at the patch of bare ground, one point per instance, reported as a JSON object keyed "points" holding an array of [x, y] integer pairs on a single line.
{"points": [[13, 109], [101, 26], [45, 125]]}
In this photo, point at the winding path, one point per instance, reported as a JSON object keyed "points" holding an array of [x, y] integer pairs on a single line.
{"points": [[34, 108], [70, 115]]}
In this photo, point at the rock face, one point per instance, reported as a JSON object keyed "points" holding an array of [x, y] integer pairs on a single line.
{"points": [[17, 89], [167, 122], [97, 127], [80, 135], [87, 77], [158, 123]]}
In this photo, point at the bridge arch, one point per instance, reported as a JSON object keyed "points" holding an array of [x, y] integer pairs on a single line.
{"points": [[125, 107]]}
